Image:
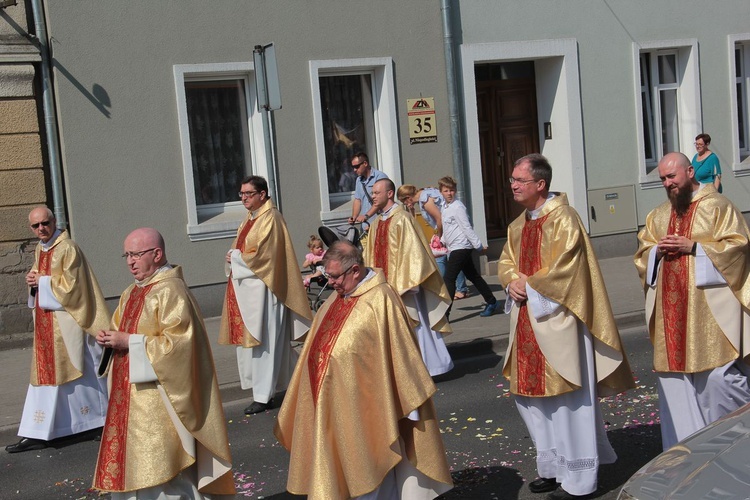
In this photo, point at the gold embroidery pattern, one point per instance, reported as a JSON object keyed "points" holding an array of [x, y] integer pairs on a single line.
{"points": [[325, 338], [530, 361], [674, 292], [44, 332], [109, 469]]}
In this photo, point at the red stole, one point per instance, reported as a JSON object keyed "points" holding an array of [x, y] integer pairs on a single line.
{"points": [[530, 362], [110, 467], [380, 252], [236, 325], [327, 334], [675, 291], [44, 331]]}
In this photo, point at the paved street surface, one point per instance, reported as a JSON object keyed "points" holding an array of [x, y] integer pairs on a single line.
{"points": [[488, 448]]}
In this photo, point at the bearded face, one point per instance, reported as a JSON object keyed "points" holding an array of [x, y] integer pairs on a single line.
{"points": [[680, 197]]}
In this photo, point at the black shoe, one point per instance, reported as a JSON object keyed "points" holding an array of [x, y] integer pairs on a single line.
{"points": [[257, 407], [561, 494], [26, 444], [543, 485]]}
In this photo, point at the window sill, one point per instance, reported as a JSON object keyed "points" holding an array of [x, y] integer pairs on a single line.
{"points": [[219, 226]]}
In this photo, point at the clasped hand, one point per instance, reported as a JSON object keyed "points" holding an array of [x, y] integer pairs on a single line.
{"points": [[517, 288], [113, 339], [673, 244]]}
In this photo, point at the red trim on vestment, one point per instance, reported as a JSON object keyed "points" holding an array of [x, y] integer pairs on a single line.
{"points": [[236, 324], [44, 331], [674, 291], [325, 338], [110, 467], [380, 252], [530, 362]]}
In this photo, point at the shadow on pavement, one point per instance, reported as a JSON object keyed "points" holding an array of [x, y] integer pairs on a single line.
{"points": [[635, 446], [485, 482], [470, 357]]}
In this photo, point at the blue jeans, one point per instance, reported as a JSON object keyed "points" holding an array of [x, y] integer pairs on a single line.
{"points": [[460, 280]]}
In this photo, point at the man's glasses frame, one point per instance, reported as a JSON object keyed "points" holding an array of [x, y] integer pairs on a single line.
{"points": [[513, 180], [248, 194], [44, 223], [137, 255], [331, 277]]}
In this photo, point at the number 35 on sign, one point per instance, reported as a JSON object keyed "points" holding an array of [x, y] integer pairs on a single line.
{"points": [[422, 126]]}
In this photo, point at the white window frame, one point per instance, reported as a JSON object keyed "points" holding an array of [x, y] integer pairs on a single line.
{"points": [[688, 101], [386, 154], [740, 157], [218, 220]]}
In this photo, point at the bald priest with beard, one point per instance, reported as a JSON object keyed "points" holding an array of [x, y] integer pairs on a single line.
{"points": [[694, 261]]}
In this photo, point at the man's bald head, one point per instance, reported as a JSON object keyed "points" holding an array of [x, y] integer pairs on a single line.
{"points": [[145, 252], [43, 224], [676, 158], [678, 178]]}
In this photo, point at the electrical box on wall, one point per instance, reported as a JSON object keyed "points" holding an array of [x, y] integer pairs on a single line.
{"points": [[612, 210]]}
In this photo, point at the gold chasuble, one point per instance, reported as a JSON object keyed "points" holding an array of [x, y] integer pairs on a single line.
{"points": [[691, 327], [397, 246], [266, 247], [344, 415], [150, 424], [57, 354], [555, 252]]}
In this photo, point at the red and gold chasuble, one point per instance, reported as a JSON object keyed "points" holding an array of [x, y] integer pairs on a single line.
{"points": [[530, 362], [236, 324], [675, 291], [325, 340], [380, 254], [110, 469], [44, 331]]}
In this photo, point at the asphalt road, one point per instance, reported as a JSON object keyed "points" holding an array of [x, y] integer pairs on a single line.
{"points": [[487, 444]]}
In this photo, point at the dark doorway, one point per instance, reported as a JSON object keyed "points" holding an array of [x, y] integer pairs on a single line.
{"points": [[508, 130]]}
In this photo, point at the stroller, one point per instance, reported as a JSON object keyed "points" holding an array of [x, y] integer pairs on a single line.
{"points": [[319, 290], [347, 232]]}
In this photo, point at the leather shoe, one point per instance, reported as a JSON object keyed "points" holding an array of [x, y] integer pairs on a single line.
{"points": [[26, 444], [490, 309], [561, 494], [257, 407], [543, 485]]}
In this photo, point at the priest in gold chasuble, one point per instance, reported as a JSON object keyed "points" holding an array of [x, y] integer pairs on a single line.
{"points": [[64, 396], [265, 306], [166, 433], [397, 245], [358, 417], [694, 261], [564, 349]]}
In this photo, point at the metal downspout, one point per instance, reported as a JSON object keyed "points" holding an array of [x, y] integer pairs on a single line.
{"points": [[455, 118], [50, 123]]}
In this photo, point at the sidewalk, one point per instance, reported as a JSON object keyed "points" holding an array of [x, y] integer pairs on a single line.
{"points": [[472, 336]]}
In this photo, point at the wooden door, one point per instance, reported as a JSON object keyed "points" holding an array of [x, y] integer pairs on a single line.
{"points": [[508, 130]]}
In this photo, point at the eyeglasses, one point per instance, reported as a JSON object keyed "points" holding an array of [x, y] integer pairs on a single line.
{"points": [[44, 223], [247, 194], [698, 144], [137, 255], [331, 277], [513, 180], [355, 167]]}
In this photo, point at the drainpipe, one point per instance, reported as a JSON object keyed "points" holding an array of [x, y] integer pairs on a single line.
{"points": [[455, 118], [50, 123]]}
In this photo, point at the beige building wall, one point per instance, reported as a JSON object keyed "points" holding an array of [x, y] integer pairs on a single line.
{"points": [[22, 182]]}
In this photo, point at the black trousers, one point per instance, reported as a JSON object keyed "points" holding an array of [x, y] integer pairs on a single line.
{"points": [[462, 260]]}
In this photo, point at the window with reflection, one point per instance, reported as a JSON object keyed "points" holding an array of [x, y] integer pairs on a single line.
{"points": [[219, 138], [348, 127]]}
